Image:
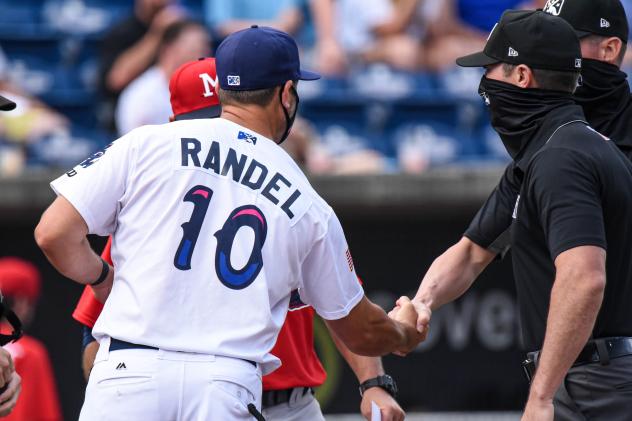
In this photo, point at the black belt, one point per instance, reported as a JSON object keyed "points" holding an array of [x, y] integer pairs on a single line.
{"points": [[277, 397], [600, 350], [117, 345], [603, 350]]}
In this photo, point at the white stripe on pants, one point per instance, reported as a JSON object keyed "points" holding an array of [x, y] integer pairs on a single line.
{"points": [[158, 385]]}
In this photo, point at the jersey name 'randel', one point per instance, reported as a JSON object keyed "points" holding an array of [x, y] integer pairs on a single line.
{"points": [[254, 175]]}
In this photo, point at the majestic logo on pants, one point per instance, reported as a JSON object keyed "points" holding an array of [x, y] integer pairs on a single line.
{"points": [[553, 7]]}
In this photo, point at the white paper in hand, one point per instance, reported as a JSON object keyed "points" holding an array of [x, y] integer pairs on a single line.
{"points": [[376, 414]]}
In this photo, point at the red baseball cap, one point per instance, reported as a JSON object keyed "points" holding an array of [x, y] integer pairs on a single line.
{"points": [[19, 278], [193, 90]]}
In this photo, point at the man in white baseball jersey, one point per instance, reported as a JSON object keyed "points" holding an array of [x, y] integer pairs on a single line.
{"points": [[213, 226]]}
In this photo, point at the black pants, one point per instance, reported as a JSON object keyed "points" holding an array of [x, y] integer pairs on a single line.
{"points": [[596, 392]]}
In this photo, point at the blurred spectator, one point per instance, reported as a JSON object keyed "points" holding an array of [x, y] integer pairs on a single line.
{"points": [[146, 99], [228, 16], [312, 22], [31, 122], [373, 31], [460, 27], [335, 152], [20, 285], [627, 62], [130, 48]]}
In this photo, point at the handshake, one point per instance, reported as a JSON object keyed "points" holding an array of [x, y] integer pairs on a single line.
{"points": [[414, 317]]}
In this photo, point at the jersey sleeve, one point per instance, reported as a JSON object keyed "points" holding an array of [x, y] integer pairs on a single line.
{"points": [[329, 281], [566, 192], [96, 186], [490, 227]]}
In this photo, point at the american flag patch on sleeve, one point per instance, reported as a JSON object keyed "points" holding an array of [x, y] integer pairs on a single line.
{"points": [[349, 260]]}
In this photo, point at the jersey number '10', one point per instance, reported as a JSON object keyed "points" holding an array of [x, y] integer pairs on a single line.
{"points": [[244, 216]]}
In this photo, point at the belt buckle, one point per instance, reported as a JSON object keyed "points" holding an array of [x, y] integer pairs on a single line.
{"points": [[528, 367]]}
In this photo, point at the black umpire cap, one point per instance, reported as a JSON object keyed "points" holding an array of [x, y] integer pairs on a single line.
{"points": [[599, 17], [534, 38], [6, 104]]}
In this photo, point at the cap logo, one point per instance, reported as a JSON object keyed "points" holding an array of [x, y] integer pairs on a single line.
{"points": [[578, 63], [209, 84], [553, 7], [512, 52], [233, 81], [604, 23]]}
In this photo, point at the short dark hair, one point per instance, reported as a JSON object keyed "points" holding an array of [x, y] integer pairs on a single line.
{"points": [[173, 31], [597, 39], [552, 80], [261, 97]]}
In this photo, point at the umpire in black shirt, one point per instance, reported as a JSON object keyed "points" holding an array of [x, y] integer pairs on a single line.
{"points": [[604, 94], [575, 198]]}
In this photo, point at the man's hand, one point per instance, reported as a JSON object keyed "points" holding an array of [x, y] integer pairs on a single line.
{"points": [[9, 397], [6, 367], [165, 18], [405, 313], [9, 379], [538, 410], [424, 314], [390, 409]]}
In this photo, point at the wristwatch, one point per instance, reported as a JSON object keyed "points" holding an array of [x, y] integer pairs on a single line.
{"points": [[386, 382]]}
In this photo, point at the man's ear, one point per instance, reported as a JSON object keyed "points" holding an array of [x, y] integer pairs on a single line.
{"points": [[610, 49], [286, 96], [523, 77]]}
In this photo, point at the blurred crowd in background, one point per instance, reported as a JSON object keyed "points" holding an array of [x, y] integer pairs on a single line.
{"points": [[84, 72]]}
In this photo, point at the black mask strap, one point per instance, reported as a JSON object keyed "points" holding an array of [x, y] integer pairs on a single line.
{"points": [[15, 323], [289, 121]]}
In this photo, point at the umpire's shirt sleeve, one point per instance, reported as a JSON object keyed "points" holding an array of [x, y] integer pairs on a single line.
{"points": [[490, 227], [564, 189], [96, 186]]}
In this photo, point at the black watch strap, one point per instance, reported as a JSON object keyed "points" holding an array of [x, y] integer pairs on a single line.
{"points": [[385, 382]]}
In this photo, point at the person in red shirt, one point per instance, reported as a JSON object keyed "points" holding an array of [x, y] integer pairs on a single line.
{"points": [[20, 285], [288, 391]]}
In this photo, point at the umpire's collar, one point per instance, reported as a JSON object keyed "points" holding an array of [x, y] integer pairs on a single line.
{"points": [[557, 118]]}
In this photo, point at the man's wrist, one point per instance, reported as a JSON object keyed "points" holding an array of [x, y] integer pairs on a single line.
{"points": [[538, 392], [384, 382]]}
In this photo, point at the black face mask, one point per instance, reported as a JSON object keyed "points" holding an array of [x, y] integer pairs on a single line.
{"points": [[603, 94], [517, 113], [289, 121]]}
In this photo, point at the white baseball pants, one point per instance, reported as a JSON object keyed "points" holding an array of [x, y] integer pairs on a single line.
{"points": [[158, 385]]}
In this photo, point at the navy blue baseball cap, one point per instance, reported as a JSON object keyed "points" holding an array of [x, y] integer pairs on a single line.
{"points": [[258, 58]]}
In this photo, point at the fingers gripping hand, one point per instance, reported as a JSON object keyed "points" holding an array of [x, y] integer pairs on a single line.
{"points": [[389, 408], [6, 367], [424, 314], [9, 397], [406, 314]]}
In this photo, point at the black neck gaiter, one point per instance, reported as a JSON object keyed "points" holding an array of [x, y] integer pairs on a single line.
{"points": [[604, 93], [289, 120], [517, 113]]}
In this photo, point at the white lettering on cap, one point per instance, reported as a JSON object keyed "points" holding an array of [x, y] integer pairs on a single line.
{"points": [[553, 7], [604, 23], [512, 52], [209, 84]]}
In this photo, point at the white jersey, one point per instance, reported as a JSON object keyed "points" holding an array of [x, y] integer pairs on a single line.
{"points": [[213, 226]]}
